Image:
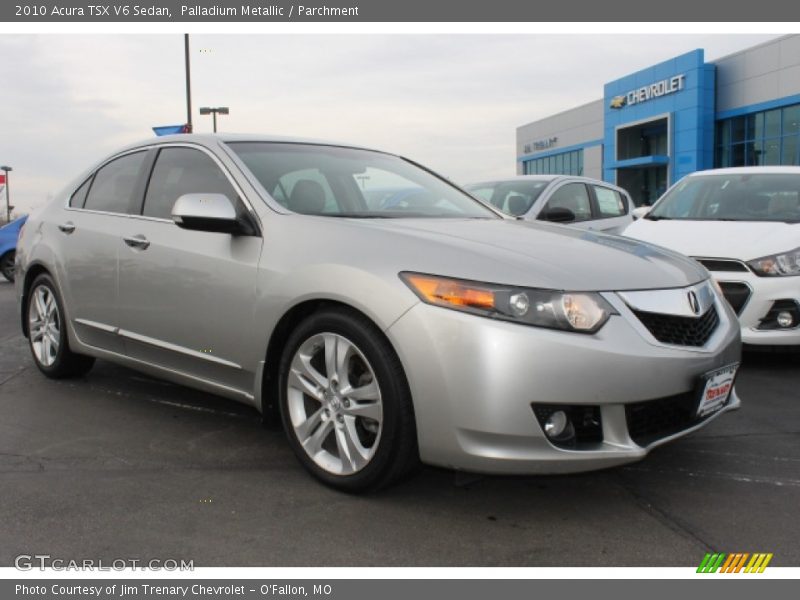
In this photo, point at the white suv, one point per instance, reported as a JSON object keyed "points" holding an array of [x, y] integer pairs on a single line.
{"points": [[743, 225]]}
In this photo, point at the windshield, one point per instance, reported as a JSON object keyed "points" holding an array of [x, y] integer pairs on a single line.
{"points": [[334, 181], [512, 197], [732, 197]]}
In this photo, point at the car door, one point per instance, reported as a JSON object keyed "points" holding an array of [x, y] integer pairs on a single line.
{"points": [[612, 209], [88, 234], [572, 195], [187, 298]]}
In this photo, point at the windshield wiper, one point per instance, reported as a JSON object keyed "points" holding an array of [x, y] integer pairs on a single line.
{"points": [[657, 218]]}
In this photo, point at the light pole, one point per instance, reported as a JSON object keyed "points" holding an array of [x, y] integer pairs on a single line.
{"points": [[222, 110], [188, 83], [6, 169]]}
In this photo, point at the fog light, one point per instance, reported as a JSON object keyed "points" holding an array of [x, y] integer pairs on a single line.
{"points": [[574, 427], [785, 319], [556, 424]]}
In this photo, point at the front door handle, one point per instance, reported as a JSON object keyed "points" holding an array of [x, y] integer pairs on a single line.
{"points": [[137, 241], [67, 227]]}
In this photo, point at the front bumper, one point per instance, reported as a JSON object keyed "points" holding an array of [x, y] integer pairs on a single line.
{"points": [[765, 291], [474, 380]]}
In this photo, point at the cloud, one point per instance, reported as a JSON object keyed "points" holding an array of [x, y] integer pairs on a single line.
{"points": [[452, 102]]}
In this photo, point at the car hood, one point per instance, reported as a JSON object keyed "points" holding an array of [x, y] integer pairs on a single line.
{"points": [[742, 240], [513, 252]]}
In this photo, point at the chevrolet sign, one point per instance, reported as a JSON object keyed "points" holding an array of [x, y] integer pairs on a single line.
{"points": [[649, 92]]}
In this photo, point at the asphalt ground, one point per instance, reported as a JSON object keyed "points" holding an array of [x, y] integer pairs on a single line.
{"points": [[119, 465]]}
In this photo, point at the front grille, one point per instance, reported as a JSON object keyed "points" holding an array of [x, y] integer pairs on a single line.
{"points": [[722, 264], [736, 293], [680, 331], [656, 419]]}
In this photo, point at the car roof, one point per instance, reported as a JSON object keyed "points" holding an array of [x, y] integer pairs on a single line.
{"points": [[784, 170], [213, 139], [517, 178], [545, 177]]}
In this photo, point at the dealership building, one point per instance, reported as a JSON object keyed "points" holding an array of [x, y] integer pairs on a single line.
{"points": [[654, 126]]}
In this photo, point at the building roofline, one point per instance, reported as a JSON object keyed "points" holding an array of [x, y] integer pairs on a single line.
{"points": [[565, 111], [749, 48]]}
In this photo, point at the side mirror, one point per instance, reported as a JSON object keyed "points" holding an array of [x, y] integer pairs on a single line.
{"points": [[208, 212], [640, 211], [558, 215]]}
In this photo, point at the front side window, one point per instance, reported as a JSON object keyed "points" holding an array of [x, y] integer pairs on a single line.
{"points": [[334, 181], [736, 197], [512, 197], [180, 171], [574, 197], [609, 202], [114, 184]]}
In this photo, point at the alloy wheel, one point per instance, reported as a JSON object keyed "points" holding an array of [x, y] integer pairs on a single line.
{"points": [[7, 266], [334, 403], [44, 325]]}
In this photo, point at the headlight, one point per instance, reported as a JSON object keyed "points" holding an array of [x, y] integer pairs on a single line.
{"points": [[777, 265], [584, 312]]}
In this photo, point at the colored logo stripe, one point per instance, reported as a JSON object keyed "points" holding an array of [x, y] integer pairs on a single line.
{"points": [[758, 563], [734, 563]]}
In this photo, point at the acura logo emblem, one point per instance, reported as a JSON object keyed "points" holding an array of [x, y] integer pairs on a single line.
{"points": [[694, 303]]}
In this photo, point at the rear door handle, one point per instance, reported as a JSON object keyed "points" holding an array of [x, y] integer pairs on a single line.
{"points": [[67, 227], [137, 241]]}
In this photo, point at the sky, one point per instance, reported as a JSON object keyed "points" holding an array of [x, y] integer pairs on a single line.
{"points": [[449, 101]]}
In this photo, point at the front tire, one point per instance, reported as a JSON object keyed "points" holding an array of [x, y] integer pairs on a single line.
{"points": [[47, 332], [345, 403], [7, 265]]}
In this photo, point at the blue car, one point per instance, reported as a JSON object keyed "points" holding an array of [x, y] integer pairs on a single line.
{"points": [[8, 246]]}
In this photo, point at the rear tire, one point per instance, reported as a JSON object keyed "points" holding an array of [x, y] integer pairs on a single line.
{"points": [[47, 332], [7, 265], [345, 403]]}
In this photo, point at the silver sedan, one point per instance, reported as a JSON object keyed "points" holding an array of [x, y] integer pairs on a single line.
{"points": [[577, 201], [387, 316]]}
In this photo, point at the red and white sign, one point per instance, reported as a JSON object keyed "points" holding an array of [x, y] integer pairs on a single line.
{"points": [[719, 385]]}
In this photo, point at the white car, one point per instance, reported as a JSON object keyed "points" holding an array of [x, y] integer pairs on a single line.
{"points": [[580, 201], [743, 225]]}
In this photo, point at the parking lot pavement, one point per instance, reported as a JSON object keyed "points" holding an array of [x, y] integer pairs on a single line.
{"points": [[119, 465]]}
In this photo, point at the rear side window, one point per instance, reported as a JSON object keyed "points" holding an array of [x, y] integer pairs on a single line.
{"points": [[180, 171], [574, 197], [609, 202], [78, 199], [114, 184]]}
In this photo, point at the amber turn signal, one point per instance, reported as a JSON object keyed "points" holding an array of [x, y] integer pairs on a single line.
{"points": [[450, 292]]}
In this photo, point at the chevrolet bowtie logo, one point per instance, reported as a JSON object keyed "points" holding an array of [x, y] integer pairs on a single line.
{"points": [[618, 101]]}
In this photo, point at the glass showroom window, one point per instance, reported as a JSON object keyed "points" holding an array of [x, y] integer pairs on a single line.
{"points": [[763, 138], [565, 163]]}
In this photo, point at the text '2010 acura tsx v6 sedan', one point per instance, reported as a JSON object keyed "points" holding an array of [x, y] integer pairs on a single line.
{"points": [[433, 329]]}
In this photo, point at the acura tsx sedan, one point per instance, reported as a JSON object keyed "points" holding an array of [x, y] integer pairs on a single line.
{"points": [[431, 328]]}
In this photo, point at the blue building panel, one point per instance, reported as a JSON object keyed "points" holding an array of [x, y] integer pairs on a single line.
{"points": [[685, 88]]}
